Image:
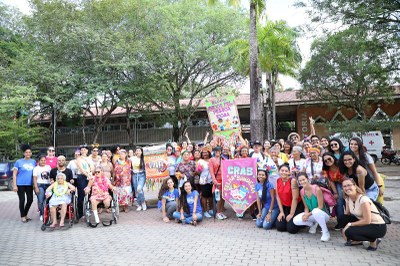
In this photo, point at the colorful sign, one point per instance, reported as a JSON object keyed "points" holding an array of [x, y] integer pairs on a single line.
{"points": [[156, 161], [239, 178], [223, 116]]}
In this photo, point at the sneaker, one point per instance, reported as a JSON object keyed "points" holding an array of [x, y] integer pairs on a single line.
{"points": [[338, 227], [254, 217], [313, 228], [144, 206], [239, 216], [219, 216], [139, 208], [224, 216], [41, 218], [207, 215], [325, 237], [211, 212]]}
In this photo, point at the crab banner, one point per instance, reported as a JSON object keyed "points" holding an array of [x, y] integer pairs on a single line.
{"points": [[239, 178], [223, 115], [156, 162]]}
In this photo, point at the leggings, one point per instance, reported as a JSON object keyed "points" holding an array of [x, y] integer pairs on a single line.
{"points": [[369, 232], [318, 216], [22, 190], [81, 184], [283, 225]]}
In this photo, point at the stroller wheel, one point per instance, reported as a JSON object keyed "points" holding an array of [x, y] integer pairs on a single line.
{"points": [[43, 227]]}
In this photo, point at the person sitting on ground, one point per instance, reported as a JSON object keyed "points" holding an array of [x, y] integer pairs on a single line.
{"points": [[362, 220], [60, 192], [99, 185], [190, 207], [266, 201], [315, 211], [168, 197]]}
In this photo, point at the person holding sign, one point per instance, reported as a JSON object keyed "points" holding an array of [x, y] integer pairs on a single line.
{"points": [[266, 201], [214, 165], [190, 207]]}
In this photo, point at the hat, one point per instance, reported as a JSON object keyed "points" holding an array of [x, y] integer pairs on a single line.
{"points": [[314, 150], [257, 142], [218, 148]]}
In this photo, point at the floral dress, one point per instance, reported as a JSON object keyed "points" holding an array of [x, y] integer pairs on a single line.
{"points": [[100, 189], [123, 182], [188, 169]]}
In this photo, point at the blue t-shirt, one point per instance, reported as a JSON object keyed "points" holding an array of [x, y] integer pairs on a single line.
{"points": [[169, 196], [268, 199], [190, 201], [25, 171]]}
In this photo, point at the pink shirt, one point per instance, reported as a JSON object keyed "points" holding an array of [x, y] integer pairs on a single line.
{"points": [[51, 161]]}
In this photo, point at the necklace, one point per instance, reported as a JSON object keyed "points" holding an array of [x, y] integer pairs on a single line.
{"points": [[102, 184]]}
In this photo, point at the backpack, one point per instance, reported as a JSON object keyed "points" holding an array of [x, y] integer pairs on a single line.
{"points": [[382, 211], [329, 199]]}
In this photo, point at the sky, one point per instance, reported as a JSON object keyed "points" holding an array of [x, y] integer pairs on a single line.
{"points": [[276, 10]]}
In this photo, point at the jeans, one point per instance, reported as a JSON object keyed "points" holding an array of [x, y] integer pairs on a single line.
{"points": [[318, 216], [138, 180], [41, 197], [82, 182], [22, 190], [261, 222], [340, 203], [372, 192], [188, 217], [170, 208]]}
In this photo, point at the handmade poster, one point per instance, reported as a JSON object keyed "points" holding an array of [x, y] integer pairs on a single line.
{"points": [[156, 161], [223, 116], [239, 178]]}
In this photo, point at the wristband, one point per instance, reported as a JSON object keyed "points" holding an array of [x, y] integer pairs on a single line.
{"points": [[380, 186]]}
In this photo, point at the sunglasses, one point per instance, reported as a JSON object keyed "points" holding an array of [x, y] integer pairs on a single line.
{"points": [[334, 144], [97, 172], [51, 150], [328, 160]]}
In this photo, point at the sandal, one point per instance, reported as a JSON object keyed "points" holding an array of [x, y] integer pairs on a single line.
{"points": [[353, 243], [52, 227], [24, 220], [194, 223], [374, 248]]}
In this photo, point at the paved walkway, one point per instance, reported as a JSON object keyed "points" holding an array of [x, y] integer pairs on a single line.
{"points": [[144, 239]]}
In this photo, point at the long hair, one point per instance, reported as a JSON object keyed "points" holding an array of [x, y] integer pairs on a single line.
{"points": [[343, 168], [264, 189], [358, 189], [362, 155], [341, 146], [288, 142], [141, 157], [182, 199], [330, 154], [164, 188]]}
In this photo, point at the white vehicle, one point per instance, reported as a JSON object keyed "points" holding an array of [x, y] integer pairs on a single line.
{"points": [[372, 140]]}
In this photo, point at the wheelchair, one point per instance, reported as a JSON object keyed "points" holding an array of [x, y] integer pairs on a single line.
{"points": [[71, 214], [88, 212]]}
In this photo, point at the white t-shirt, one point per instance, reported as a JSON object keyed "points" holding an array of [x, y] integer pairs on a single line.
{"points": [[300, 165], [317, 168], [42, 174], [74, 168]]}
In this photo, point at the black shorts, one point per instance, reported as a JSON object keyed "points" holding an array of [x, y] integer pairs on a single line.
{"points": [[206, 190]]}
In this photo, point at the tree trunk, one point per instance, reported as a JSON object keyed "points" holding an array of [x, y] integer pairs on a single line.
{"points": [[129, 129], [256, 122], [274, 78], [268, 108]]}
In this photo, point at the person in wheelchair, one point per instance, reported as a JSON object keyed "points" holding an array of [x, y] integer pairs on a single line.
{"points": [[99, 185], [60, 193]]}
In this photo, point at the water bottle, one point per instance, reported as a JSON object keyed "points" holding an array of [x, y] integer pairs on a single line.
{"points": [[217, 194]]}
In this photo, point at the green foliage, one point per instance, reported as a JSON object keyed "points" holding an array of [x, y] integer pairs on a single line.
{"points": [[348, 68], [361, 126]]}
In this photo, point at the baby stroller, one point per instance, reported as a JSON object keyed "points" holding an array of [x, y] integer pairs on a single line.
{"points": [[114, 206], [71, 213]]}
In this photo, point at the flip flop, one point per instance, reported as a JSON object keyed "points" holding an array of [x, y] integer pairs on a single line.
{"points": [[374, 248], [351, 243], [52, 227], [28, 219], [24, 221]]}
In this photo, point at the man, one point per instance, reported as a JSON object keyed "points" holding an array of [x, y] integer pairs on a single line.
{"points": [[61, 168], [51, 159]]}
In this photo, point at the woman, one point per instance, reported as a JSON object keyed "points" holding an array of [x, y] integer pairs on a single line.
{"points": [[72, 165], [139, 178], [362, 220], [266, 201], [314, 167], [294, 138], [287, 151], [99, 184], [22, 182], [267, 146], [41, 181], [306, 147], [351, 168], [214, 165], [331, 171], [186, 169], [325, 143], [196, 178], [51, 159], [94, 156], [190, 207], [84, 173], [367, 162], [60, 192], [107, 167], [296, 163], [205, 183], [288, 201], [168, 197], [315, 211], [336, 147], [123, 177]]}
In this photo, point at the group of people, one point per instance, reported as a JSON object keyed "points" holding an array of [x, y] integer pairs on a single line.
{"points": [[293, 177]]}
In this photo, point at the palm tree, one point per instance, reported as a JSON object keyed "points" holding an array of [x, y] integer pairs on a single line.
{"points": [[278, 54], [256, 121]]}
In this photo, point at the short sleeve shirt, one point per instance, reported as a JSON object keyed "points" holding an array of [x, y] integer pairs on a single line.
{"points": [[25, 171], [169, 196], [268, 198], [190, 201], [356, 209], [42, 174]]}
